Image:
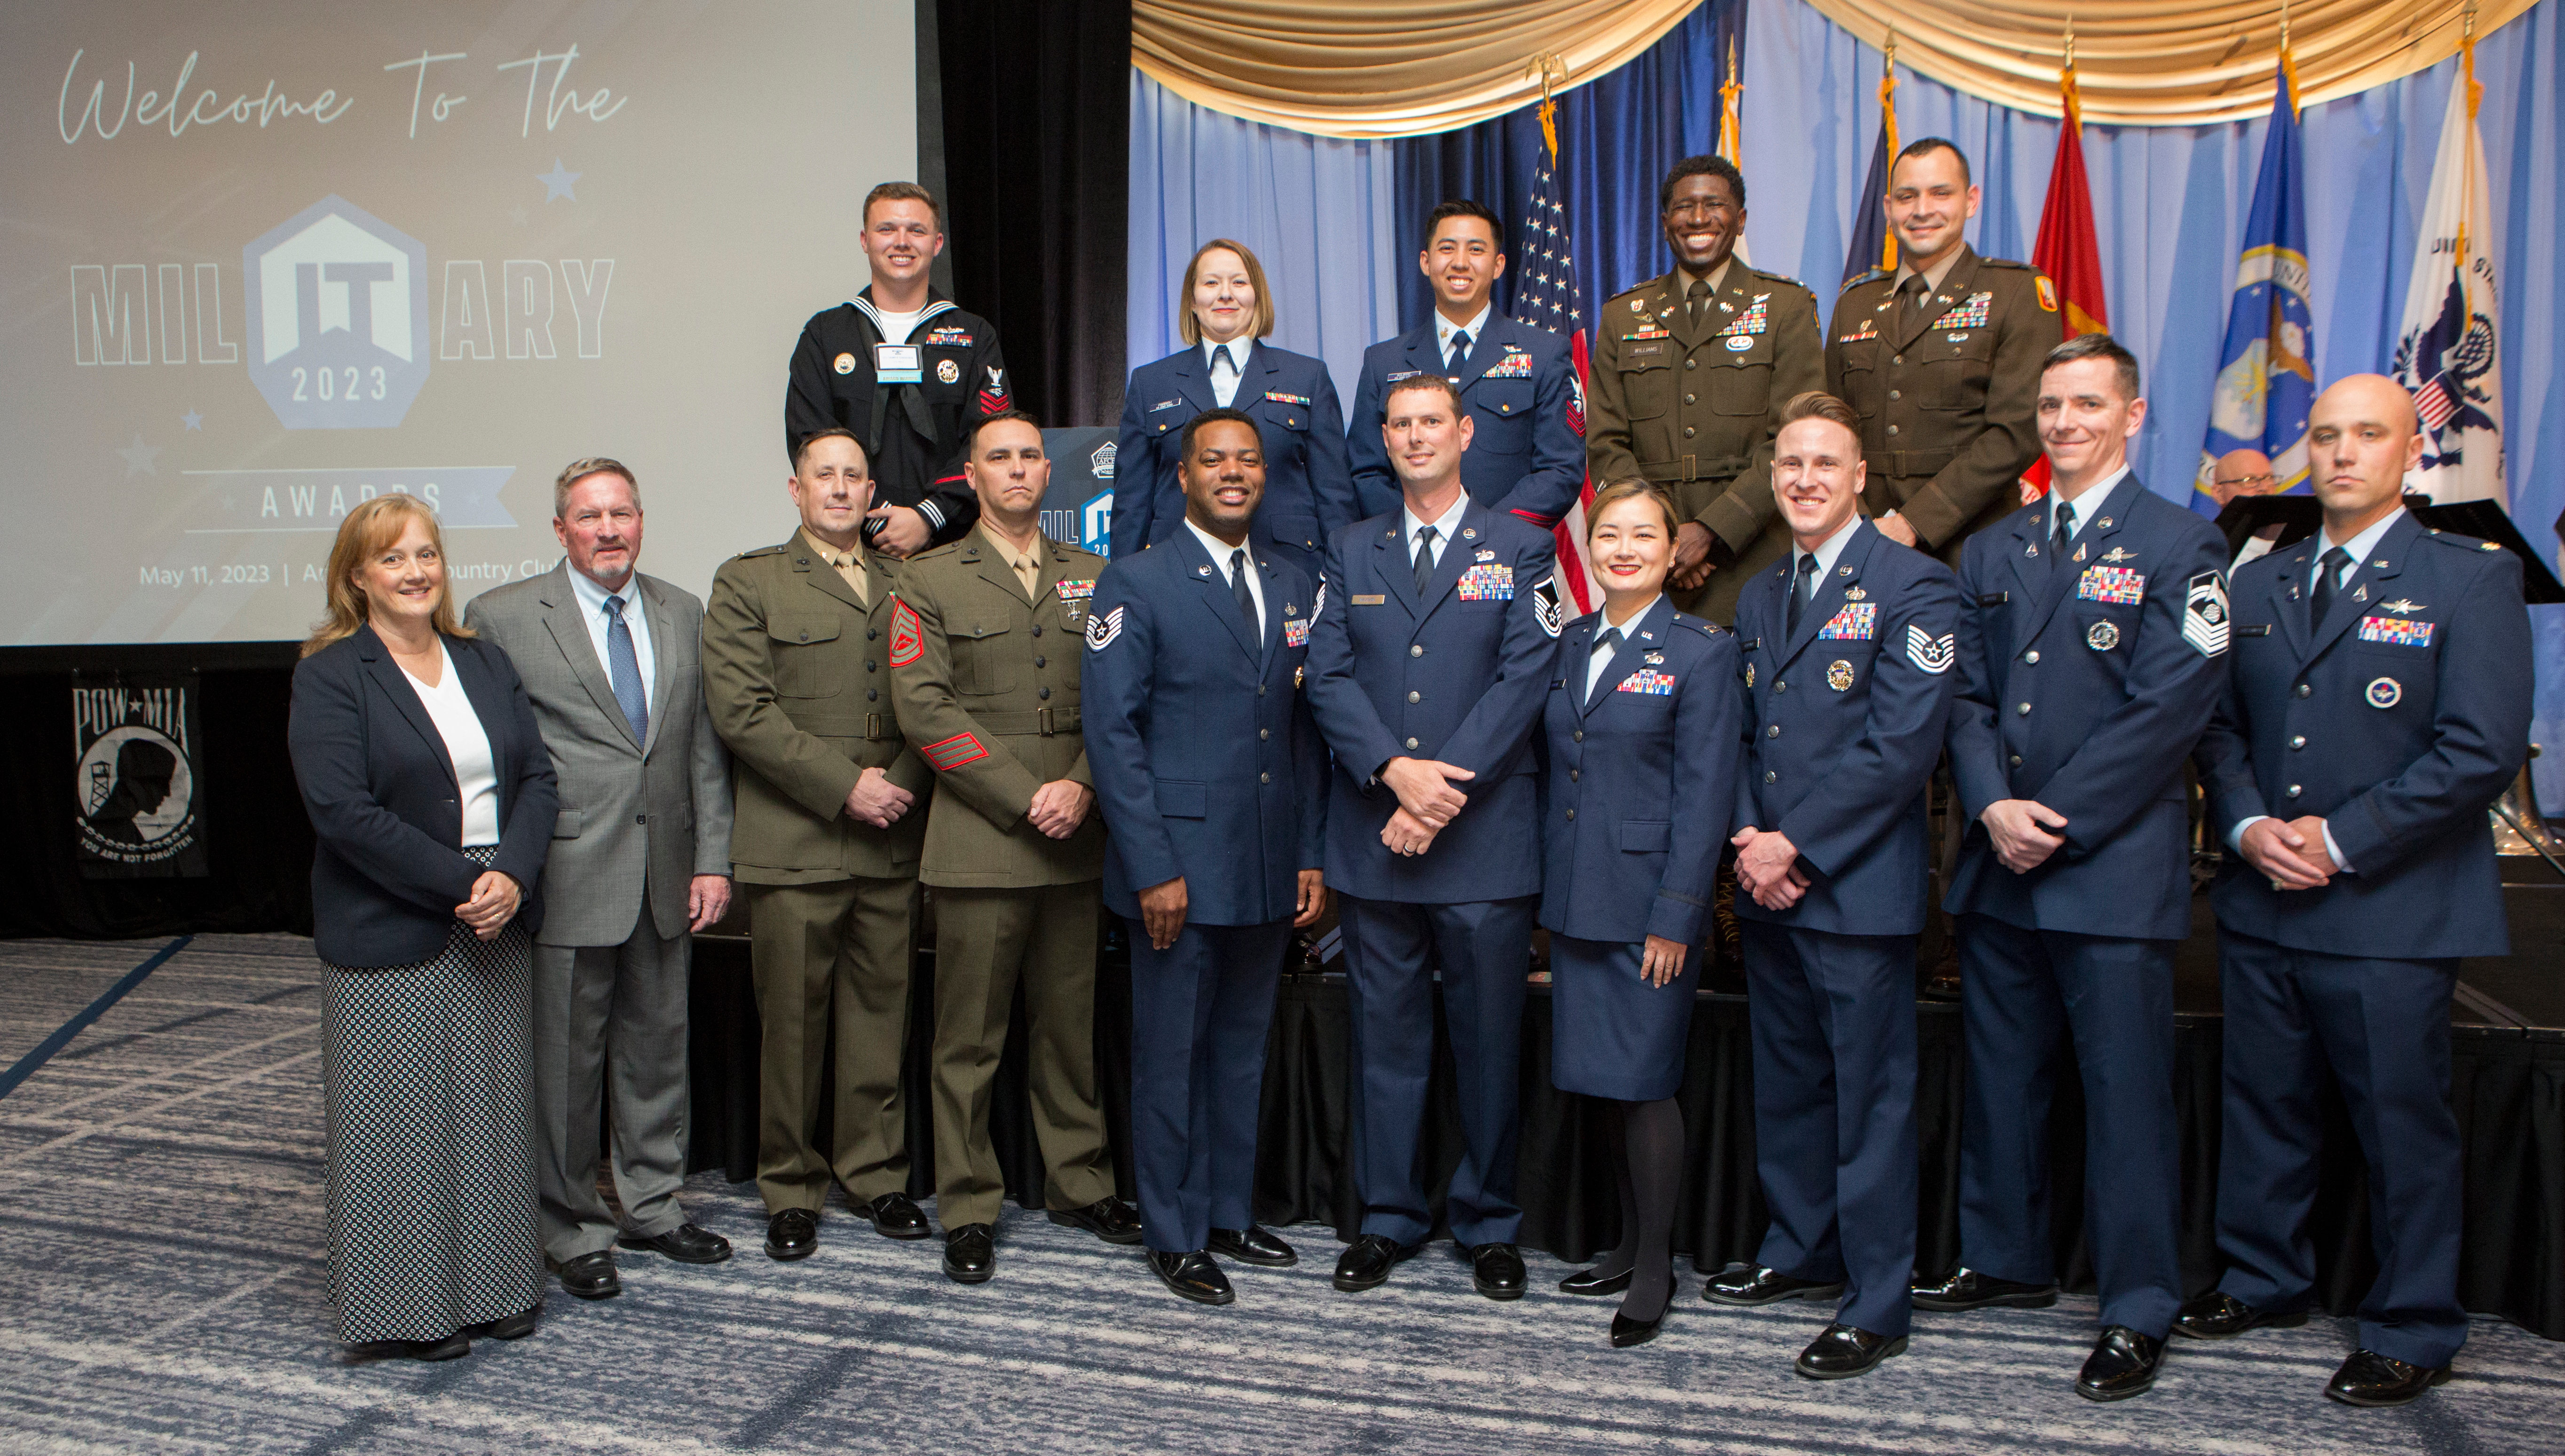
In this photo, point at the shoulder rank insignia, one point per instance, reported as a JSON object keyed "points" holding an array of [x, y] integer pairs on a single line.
{"points": [[907, 635], [1930, 653], [2048, 291], [2204, 619], [1102, 630], [1544, 605]]}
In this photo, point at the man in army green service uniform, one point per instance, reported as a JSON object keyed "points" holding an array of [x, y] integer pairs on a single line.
{"points": [[825, 847], [1691, 370], [1941, 358], [985, 648]]}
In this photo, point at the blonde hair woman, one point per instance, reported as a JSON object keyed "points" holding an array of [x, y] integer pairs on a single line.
{"points": [[432, 800]]}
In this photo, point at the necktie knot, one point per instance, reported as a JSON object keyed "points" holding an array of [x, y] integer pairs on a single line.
{"points": [[2334, 561], [614, 608], [1803, 590], [1424, 558], [1460, 348], [1609, 640]]}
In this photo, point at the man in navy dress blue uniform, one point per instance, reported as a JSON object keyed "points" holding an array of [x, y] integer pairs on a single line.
{"points": [[1528, 452], [1831, 873], [1427, 670], [2092, 644], [1212, 783], [2379, 701]]}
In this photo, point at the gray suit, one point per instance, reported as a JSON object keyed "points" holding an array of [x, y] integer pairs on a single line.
{"points": [[637, 821]]}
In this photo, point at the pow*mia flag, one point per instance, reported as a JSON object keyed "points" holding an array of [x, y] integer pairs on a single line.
{"points": [[138, 798]]}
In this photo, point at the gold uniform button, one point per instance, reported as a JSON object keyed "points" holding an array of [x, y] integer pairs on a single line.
{"points": [[1898, 359], [1894, 395], [1571, 776], [1572, 814], [1265, 778], [2298, 742], [1580, 735], [1892, 430], [1770, 777], [1416, 649], [1411, 743], [2031, 656], [1416, 697], [2293, 790], [2303, 689], [1689, 399], [1689, 433], [1692, 363], [1264, 733], [1772, 732], [2023, 710], [2017, 760]]}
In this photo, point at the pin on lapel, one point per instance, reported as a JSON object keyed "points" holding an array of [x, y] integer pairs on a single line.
{"points": [[1653, 660], [1844, 570], [2381, 563], [2104, 523], [1725, 306], [1469, 533], [2079, 551], [2361, 594], [2030, 548], [1854, 594], [1202, 570]]}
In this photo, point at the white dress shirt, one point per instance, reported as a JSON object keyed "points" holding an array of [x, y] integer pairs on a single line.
{"points": [[1446, 526], [591, 609], [1602, 659], [1444, 329], [1828, 551], [1220, 553], [449, 707], [1224, 380], [2086, 506]]}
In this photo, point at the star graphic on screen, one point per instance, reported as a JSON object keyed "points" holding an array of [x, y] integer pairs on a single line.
{"points": [[137, 457], [557, 183], [192, 420]]}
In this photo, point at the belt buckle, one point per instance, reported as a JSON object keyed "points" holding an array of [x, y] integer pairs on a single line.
{"points": [[1042, 718], [1688, 475], [873, 726]]}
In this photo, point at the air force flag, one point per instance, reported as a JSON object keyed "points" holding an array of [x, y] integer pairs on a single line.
{"points": [[2266, 378], [2445, 353]]}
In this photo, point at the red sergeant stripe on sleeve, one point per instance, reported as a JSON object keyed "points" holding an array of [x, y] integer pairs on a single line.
{"points": [[954, 752]]}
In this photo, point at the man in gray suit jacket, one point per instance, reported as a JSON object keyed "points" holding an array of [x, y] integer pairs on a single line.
{"points": [[640, 860]]}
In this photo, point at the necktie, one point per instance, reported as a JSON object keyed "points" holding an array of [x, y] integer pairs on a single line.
{"points": [[1917, 290], [850, 569], [1802, 592], [1423, 559], [2061, 539], [1029, 572], [2328, 579], [1460, 353], [623, 671], [1238, 570], [1604, 646], [1695, 300]]}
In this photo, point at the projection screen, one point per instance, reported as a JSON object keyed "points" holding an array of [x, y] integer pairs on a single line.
{"points": [[263, 261]]}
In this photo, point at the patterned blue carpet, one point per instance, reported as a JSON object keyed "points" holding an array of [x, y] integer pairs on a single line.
{"points": [[162, 1289]]}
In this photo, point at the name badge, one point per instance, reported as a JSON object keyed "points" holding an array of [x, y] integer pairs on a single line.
{"points": [[1363, 600], [898, 364]]}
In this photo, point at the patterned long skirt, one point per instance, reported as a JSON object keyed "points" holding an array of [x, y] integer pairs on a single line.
{"points": [[431, 1145]]}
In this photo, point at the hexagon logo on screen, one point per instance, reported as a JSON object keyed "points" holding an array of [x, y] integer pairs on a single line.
{"points": [[337, 318]]}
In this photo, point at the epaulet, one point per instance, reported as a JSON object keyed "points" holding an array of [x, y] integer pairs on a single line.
{"points": [[1782, 278], [1642, 286], [1873, 276], [935, 553], [1706, 628], [2457, 542], [776, 549], [1076, 550], [2007, 262]]}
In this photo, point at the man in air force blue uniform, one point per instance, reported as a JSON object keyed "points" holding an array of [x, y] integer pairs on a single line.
{"points": [[1849, 642], [1516, 380], [2092, 644], [2379, 701], [1212, 783], [1427, 671]]}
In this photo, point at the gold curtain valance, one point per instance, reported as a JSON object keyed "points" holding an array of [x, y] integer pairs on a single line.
{"points": [[2162, 63], [1387, 68]]}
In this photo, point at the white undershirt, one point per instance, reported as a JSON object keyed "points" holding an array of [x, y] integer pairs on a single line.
{"points": [[897, 326], [449, 707]]}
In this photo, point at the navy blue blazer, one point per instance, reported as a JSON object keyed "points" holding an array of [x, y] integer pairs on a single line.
{"points": [[1205, 760], [386, 804], [2398, 721], [1627, 851], [1307, 495], [1458, 677], [2085, 689], [1843, 725], [1526, 450]]}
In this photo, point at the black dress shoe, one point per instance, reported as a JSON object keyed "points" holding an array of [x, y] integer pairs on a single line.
{"points": [[1193, 1276], [1595, 1281], [1496, 1271], [894, 1216], [1108, 1218], [1255, 1245], [591, 1276], [1757, 1285], [1840, 1352], [1367, 1261], [1627, 1331], [970, 1252], [685, 1243], [793, 1234], [453, 1346], [2371, 1379], [2123, 1363], [2219, 1315], [1966, 1288], [514, 1327]]}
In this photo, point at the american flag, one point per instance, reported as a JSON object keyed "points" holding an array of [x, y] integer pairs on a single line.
{"points": [[2435, 404], [1548, 296]]}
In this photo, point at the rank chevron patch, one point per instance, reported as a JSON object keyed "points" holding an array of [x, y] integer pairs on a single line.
{"points": [[2205, 615], [1930, 653]]}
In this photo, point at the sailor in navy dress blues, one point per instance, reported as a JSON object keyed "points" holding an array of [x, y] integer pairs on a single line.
{"points": [[1848, 643], [1224, 315], [1526, 451], [1427, 669], [2093, 649], [2379, 701], [1640, 731], [909, 372], [1213, 783]]}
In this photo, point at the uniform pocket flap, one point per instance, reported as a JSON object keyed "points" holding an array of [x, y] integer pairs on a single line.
{"points": [[1182, 798], [566, 824], [1645, 836], [1299, 531], [785, 627]]}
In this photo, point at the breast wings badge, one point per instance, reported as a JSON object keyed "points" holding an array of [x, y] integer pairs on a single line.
{"points": [[1930, 653], [2204, 615], [1544, 605]]}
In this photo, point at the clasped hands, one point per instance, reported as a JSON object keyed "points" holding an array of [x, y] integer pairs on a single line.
{"points": [[2292, 856], [1425, 801], [495, 897], [1767, 866]]}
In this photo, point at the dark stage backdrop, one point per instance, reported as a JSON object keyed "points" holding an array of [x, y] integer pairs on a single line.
{"points": [[1037, 152]]}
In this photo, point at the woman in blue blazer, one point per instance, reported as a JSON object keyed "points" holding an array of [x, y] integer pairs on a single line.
{"points": [[1225, 314], [433, 799], [1640, 740]]}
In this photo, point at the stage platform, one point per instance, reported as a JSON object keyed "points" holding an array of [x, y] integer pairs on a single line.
{"points": [[165, 1291]]}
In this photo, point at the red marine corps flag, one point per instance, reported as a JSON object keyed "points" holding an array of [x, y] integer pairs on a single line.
{"points": [[2067, 254], [1548, 298]]}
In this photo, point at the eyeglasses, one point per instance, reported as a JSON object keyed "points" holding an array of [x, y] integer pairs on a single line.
{"points": [[2239, 482]]}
